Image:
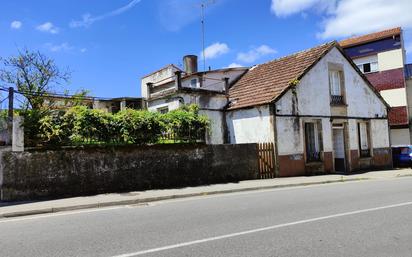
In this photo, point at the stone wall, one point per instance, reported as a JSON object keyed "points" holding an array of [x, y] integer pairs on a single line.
{"points": [[40, 174]]}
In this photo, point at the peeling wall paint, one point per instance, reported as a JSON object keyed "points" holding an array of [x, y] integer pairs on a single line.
{"points": [[250, 125]]}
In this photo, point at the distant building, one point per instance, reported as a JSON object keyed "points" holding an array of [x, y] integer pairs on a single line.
{"points": [[381, 56], [170, 87], [111, 105]]}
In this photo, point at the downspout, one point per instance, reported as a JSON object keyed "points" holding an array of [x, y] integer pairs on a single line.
{"points": [[226, 139], [272, 112]]}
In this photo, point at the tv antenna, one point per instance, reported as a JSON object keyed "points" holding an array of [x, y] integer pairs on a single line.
{"points": [[204, 5]]}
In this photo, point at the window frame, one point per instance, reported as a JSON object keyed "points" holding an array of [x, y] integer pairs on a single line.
{"points": [[162, 109], [334, 98], [313, 156], [364, 153]]}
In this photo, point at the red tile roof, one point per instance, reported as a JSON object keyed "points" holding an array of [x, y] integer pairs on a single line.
{"points": [[370, 37], [264, 83]]}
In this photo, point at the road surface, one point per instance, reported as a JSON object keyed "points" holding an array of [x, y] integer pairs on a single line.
{"points": [[367, 218]]}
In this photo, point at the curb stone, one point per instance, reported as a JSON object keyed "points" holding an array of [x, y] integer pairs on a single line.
{"points": [[167, 197]]}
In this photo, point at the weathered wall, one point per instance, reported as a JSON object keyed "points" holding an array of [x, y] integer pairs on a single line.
{"points": [[250, 125], [72, 172], [164, 75], [209, 105], [312, 101]]}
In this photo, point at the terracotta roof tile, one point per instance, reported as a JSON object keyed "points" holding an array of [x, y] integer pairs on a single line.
{"points": [[265, 82], [370, 37]]}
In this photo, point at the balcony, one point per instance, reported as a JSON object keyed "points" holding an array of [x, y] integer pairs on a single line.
{"points": [[336, 100]]}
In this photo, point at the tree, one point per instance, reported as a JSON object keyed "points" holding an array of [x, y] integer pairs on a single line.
{"points": [[33, 74]]}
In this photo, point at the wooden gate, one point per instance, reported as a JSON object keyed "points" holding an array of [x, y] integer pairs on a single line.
{"points": [[266, 156]]}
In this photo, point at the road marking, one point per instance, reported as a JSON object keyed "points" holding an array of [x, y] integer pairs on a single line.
{"points": [[252, 231]]}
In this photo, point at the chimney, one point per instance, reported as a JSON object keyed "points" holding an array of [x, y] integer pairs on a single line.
{"points": [[190, 64]]}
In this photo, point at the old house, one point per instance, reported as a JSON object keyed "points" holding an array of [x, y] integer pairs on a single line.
{"points": [[170, 87], [318, 109], [315, 107], [381, 56]]}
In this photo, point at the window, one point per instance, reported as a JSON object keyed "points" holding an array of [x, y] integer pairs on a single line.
{"points": [[193, 83], [163, 109], [363, 134], [313, 140], [368, 67], [336, 84]]}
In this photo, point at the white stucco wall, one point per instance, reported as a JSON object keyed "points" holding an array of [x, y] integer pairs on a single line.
{"points": [[395, 97], [160, 75], [216, 131], [400, 136], [250, 125], [392, 59], [313, 99], [380, 139]]}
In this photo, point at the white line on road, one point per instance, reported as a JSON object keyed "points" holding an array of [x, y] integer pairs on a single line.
{"points": [[246, 232]]}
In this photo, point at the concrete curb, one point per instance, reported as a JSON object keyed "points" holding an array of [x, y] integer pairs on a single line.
{"points": [[162, 198]]}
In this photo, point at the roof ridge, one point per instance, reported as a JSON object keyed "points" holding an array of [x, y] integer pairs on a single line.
{"points": [[348, 41], [299, 52]]}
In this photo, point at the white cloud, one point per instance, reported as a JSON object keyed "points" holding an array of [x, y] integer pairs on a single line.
{"points": [[284, 8], [48, 27], [353, 17], [83, 50], [255, 54], [344, 18], [215, 50], [88, 19], [59, 47], [234, 65], [16, 24]]}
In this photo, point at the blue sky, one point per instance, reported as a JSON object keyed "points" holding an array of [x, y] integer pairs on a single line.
{"points": [[110, 45]]}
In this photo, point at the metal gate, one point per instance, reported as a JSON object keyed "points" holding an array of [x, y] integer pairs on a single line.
{"points": [[266, 157]]}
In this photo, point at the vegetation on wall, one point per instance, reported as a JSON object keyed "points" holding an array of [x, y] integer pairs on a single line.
{"points": [[80, 125]]}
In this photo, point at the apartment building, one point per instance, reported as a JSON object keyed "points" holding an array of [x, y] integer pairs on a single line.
{"points": [[381, 56]]}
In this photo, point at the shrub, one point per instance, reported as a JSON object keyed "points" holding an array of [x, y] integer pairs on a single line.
{"points": [[79, 125]]}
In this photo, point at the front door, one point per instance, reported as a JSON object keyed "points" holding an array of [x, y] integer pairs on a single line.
{"points": [[339, 149]]}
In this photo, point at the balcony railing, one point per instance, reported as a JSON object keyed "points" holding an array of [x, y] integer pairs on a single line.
{"points": [[365, 153], [336, 99], [313, 157]]}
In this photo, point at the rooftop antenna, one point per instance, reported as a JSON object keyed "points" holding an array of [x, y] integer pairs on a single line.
{"points": [[203, 5]]}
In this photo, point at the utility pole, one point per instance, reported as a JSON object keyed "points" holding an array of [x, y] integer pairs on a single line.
{"points": [[203, 5], [10, 116], [11, 100]]}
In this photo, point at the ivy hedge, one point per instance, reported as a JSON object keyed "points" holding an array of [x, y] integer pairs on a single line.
{"points": [[80, 126]]}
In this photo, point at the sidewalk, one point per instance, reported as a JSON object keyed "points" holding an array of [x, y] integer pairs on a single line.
{"points": [[105, 200]]}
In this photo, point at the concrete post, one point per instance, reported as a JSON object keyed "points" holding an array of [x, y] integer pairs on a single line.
{"points": [[178, 79], [123, 105], [18, 135], [149, 87]]}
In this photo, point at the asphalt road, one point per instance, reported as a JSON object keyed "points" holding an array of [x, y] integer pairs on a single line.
{"points": [[368, 218]]}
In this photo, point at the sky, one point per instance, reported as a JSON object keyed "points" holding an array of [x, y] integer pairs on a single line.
{"points": [[110, 44]]}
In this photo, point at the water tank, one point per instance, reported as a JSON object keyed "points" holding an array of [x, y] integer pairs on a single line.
{"points": [[190, 63]]}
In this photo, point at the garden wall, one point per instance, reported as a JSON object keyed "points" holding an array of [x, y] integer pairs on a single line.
{"points": [[37, 174]]}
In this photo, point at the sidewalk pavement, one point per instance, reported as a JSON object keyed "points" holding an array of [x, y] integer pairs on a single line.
{"points": [[104, 200]]}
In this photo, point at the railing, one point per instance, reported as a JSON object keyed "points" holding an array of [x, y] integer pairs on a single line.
{"points": [[336, 99], [314, 157], [179, 137], [365, 153]]}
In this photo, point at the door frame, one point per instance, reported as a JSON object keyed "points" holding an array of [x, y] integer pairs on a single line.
{"points": [[341, 126]]}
